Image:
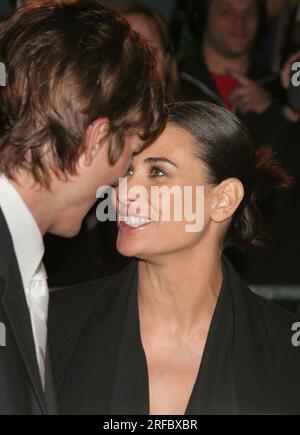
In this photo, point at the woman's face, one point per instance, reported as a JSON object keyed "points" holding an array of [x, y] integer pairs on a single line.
{"points": [[164, 210], [146, 27]]}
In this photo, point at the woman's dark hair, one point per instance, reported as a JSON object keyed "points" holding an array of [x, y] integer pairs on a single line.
{"points": [[224, 145]]}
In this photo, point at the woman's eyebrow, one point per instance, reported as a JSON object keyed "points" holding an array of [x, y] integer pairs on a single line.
{"points": [[151, 160]]}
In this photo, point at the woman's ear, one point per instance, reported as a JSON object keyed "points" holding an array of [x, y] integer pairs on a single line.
{"points": [[96, 133], [226, 198]]}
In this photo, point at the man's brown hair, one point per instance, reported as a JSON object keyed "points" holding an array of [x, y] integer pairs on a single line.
{"points": [[69, 63]]}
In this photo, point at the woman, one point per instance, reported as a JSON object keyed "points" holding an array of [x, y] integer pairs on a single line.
{"points": [[151, 25], [148, 23], [178, 332]]}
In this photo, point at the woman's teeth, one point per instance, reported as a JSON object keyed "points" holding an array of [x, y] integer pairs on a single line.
{"points": [[134, 221]]}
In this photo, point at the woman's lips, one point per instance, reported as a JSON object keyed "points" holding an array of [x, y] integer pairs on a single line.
{"points": [[128, 229], [133, 223]]}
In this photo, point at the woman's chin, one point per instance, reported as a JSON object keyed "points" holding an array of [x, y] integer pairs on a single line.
{"points": [[126, 249], [125, 253]]}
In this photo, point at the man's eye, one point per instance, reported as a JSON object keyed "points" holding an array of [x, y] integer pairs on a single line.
{"points": [[157, 172], [129, 172]]}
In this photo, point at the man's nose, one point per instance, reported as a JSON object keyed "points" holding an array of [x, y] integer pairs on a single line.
{"points": [[240, 21]]}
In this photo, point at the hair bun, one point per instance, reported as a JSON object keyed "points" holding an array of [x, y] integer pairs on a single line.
{"points": [[270, 174]]}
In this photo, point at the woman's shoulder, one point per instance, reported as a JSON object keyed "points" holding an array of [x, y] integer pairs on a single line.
{"points": [[283, 331], [71, 307], [88, 293], [267, 344], [276, 317], [269, 329]]}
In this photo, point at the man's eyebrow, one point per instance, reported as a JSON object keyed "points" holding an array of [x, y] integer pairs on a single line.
{"points": [[151, 160]]}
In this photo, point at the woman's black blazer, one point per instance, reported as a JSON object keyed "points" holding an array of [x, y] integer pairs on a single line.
{"points": [[250, 363]]}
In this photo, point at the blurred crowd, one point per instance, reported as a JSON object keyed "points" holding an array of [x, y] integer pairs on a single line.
{"points": [[238, 54]]}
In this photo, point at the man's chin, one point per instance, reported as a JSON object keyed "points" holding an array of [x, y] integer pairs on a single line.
{"points": [[238, 49], [66, 231]]}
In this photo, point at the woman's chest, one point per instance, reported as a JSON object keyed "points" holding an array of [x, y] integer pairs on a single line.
{"points": [[173, 370]]}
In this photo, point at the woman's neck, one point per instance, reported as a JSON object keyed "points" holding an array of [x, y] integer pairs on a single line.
{"points": [[181, 291]]}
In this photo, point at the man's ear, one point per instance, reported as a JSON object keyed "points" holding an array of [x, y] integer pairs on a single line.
{"points": [[96, 133], [226, 198]]}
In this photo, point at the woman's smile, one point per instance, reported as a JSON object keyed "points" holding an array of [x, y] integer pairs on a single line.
{"points": [[132, 223]]}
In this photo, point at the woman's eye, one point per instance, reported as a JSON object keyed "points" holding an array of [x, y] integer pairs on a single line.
{"points": [[157, 172]]}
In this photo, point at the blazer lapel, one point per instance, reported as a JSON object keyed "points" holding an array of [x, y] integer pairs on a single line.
{"points": [[214, 390], [130, 393], [16, 309]]}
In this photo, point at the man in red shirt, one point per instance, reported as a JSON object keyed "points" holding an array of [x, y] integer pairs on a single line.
{"points": [[225, 71]]}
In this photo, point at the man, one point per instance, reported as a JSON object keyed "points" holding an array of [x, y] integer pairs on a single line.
{"points": [[81, 96], [224, 71]]}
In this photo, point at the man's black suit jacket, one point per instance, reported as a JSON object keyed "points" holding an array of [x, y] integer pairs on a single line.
{"points": [[21, 391]]}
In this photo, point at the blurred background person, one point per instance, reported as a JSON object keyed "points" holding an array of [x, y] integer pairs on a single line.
{"points": [[150, 24], [166, 8], [225, 70]]}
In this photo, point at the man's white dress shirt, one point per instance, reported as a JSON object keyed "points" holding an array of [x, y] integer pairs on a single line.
{"points": [[29, 249]]}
